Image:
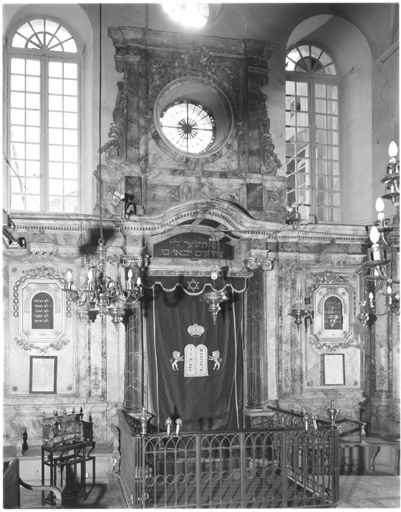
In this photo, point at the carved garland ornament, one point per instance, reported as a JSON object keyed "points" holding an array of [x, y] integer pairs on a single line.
{"points": [[197, 62], [315, 341], [38, 273], [58, 345]]}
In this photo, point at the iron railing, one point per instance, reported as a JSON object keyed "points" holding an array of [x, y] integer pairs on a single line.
{"points": [[282, 418], [278, 468]]}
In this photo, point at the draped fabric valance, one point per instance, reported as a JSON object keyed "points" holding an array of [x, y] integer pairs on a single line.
{"points": [[195, 285]]}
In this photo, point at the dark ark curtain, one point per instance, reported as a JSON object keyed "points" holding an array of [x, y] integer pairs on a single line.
{"points": [[211, 402]]}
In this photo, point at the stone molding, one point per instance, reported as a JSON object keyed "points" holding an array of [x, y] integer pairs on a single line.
{"points": [[231, 216]]}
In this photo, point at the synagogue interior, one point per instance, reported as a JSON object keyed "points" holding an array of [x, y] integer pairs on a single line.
{"points": [[201, 255]]}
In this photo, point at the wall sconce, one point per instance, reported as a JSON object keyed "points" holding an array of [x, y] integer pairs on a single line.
{"points": [[363, 315], [301, 313]]}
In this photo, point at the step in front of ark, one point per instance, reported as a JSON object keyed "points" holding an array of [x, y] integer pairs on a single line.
{"points": [[372, 456]]}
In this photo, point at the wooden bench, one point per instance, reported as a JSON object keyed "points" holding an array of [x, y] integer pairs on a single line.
{"points": [[12, 483]]}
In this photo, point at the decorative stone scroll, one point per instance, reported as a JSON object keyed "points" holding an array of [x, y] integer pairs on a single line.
{"points": [[263, 263]]}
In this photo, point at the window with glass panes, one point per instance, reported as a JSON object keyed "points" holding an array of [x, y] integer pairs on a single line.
{"points": [[312, 134], [189, 126], [43, 123]]}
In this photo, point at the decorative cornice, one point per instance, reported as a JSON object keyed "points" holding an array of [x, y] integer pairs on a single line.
{"points": [[125, 37], [229, 215]]}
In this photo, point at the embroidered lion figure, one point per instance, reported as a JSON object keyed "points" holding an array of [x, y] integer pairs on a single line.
{"points": [[216, 358], [177, 357]]}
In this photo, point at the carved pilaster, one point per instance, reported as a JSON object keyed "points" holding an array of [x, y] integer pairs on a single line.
{"points": [[133, 124], [256, 353], [116, 148], [260, 146]]}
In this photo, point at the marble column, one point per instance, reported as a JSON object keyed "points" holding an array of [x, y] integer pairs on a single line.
{"points": [[254, 340], [255, 331], [133, 378]]}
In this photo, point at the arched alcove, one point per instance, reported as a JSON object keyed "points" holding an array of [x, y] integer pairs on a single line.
{"points": [[351, 51]]}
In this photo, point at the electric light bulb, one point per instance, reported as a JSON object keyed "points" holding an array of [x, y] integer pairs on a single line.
{"points": [[374, 235], [90, 275], [129, 274], [138, 281], [379, 205], [69, 276], [392, 149], [389, 290]]}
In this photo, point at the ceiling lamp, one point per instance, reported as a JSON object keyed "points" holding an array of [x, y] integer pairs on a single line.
{"points": [[215, 297], [379, 267], [101, 294]]}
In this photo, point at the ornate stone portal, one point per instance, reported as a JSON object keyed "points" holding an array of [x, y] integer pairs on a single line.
{"points": [[159, 67]]}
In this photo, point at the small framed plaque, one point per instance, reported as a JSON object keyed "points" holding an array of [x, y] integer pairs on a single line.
{"points": [[43, 374], [333, 370]]}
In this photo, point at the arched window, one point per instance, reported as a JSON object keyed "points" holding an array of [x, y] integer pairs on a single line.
{"points": [[43, 118], [312, 133]]}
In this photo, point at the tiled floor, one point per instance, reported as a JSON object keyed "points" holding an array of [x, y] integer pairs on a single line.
{"points": [[356, 491]]}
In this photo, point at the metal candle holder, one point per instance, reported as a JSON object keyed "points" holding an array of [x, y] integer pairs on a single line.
{"points": [[333, 413]]}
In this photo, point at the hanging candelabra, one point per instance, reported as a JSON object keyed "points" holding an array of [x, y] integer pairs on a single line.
{"points": [[103, 295], [100, 294], [380, 265]]}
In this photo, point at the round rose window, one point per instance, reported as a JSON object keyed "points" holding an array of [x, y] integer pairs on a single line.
{"points": [[189, 126]]}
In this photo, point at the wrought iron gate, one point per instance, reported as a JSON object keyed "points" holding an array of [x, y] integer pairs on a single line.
{"points": [[276, 468]]}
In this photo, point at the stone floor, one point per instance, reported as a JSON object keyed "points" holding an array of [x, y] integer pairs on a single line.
{"points": [[369, 491], [356, 491]]}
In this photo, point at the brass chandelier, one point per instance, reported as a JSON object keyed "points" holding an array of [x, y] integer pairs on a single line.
{"points": [[380, 265], [100, 294]]}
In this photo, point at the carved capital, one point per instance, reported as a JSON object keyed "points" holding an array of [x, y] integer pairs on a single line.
{"points": [[259, 263]]}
